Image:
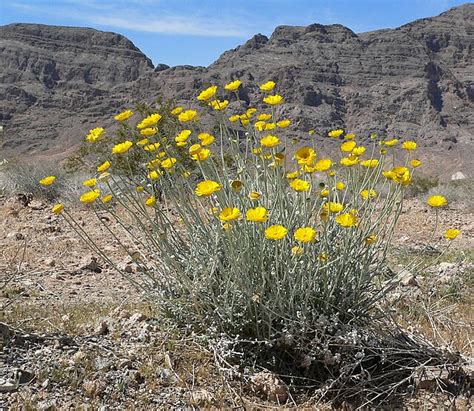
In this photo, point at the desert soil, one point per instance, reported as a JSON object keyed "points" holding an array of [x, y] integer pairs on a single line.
{"points": [[79, 334]]}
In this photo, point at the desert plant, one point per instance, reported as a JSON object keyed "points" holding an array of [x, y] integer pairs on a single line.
{"points": [[253, 241]]}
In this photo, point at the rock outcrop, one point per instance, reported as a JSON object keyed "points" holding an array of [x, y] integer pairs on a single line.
{"points": [[414, 81]]}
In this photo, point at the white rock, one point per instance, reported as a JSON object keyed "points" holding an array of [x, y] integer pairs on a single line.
{"points": [[458, 176]]}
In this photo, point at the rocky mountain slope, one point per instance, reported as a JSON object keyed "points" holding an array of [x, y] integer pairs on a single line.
{"points": [[414, 81]]}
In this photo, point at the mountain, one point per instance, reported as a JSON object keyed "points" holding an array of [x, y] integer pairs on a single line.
{"points": [[415, 81]]}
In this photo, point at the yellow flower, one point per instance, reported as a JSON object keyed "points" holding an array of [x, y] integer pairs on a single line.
{"points": [[371, 163], [305, 235], [264, 117], [299, 185], [389, 143], [323, 257], [409, 145], [226, 226], [229, 214], [182, 136], [268, 86], [333, 207], [176, 111], [47, 181], [451, 233], [260, 125], [149, 131], [233, 85], [142, 142], [437, 201], [340, 185], [206, 138], [234, 118], [207, 188], [186, 174], [270, 126], [296, 250], [106, 199], [57, 208], [371, 239], [149, 121], [324, 193], [236, 186], [91, 182], [305, 155], [270, 141], [347, 220], [104, 166], [400, 175], [153, 164], [383, 151], [150, 201], [194, 149], [293, 174], [95, 134], [152, 147], [219, 104], [358, 151], [257, 150], [331, 173], [276, 232], [254, 195], [124, 115], [168, 163], [323, 164], [207, 93], [122, 148], [283, 123], [311, 132], [335, 133], [139, 189], [348, 146], [415, 163], [201, 155], [368, 194], [154, 174], [348, 161], [187, 116], [244, 122], [257, 214], [90, 196], [273, 100], [250, 112], [349, 136]]}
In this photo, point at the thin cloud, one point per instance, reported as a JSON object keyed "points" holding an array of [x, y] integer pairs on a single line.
{"points": [[91, 12]]}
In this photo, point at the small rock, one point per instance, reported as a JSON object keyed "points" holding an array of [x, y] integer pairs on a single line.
{"points": [[7, 386], [90, 263], [104, 326], [137, 318], [15, 236], [36, 205], [94, 388], [45, 383], [408, 279], [270, 387], [50, 262], [79, 357], [458, 176]]}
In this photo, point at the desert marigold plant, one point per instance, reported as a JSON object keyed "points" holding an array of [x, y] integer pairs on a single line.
{"points": [[240, 233]]}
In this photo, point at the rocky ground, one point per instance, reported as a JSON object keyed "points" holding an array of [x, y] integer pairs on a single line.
{"points": [[74, 333]]}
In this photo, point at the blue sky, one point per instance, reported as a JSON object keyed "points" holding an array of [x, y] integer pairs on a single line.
{"points": [[196, 32]]}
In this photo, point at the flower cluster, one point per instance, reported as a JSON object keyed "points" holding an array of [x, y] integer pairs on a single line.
{"points": [[228, 212]]}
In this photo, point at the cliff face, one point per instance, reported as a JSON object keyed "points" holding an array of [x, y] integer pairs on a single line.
{"points": [[415, 81]]}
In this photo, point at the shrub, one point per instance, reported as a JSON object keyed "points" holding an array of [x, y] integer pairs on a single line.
{"points": [[259, 240]]}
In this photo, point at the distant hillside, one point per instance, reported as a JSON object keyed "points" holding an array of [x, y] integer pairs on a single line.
{"points": [[414, 81]]}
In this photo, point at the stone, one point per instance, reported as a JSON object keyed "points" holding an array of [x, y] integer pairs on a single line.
{"points": [[407, 279], [50, 262], [16, 236], [37, 205], [270, 387], [458, 175], [7, 386], [90, 263]]}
